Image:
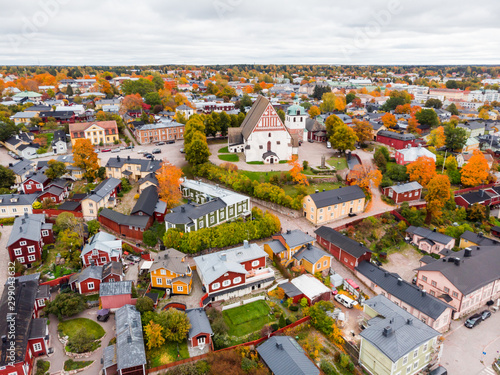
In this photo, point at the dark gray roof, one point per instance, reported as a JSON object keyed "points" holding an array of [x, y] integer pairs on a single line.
{"points": [[337, 196], [476, 196], [234, 136], [55, 190], [38, 328], [296, 237], [276, 246], [69, 206], [37, 177], [43, 291], [188, 212], [27, 227], [284, 356], [472, 273], [17, 199], [356, 249], [22, 167], [112, 268], [91, 272], [149, 177], [405, 291], [130, 350], [109, 356], [427, 259], [313, 125], [290, 289], [268, 153], [199, 322], [429, 234], [104, 188], [119, 218], [146, 202], [147, 165], [407, 332], [394, 135], [253, 116], [172, 260], [310, 253], [115, 288], [479, 239]]}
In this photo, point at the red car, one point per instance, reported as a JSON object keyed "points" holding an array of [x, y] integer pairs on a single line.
{"points": [[106, 150]]}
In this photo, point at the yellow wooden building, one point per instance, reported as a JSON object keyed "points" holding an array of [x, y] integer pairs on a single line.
{"points": [[171, 271]]}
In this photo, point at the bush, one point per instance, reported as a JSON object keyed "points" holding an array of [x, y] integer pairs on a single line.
{"points": [[137, 196], [42, 367], [275, 327], [294, 308], [82, 342], [9, 220], [328, 368], [70, 365]]}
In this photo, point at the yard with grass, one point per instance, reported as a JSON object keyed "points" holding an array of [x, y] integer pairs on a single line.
{"points": [[73, 326], [224, 150], [246, 319], [71, 365], [167, 353], [229, 157], [338, 163]]}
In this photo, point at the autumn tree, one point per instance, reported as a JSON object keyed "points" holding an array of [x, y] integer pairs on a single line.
{"points": [[56, 169], [331, 123], [153, 333], [169, 181], [413, 125], [197, 151], [389, 120], [437, 137], [476, 171], [175, 324], [422, 170], [296, 170], [131, 102], [438, 193], [85, 158], [427, 117], [193, 125], [328, 102], [343, 138], [314, 111], [363, 130], [364, 177], [455, 137]]}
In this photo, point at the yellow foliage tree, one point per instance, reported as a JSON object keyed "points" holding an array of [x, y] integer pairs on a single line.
{"points": [[422, 170], [476, 171], [314, 111], [438, 193], [437, 137], [169, 181], [154, 337], [364, 177]]}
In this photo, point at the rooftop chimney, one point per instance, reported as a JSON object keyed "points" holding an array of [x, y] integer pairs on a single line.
{"points": [[457, 261], [387, 331], [183, 209], [423, 292], [386, 274], [400, 281], [409, 321], [279, 346], [245, 244], [128, 157], [317, 191], [223, 257], [288, 231], [468, 252]]}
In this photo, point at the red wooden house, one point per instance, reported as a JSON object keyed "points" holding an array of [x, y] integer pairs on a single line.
{"points": [[396, 140], [89, 279], [346, 250], [29, 234], [200, 334], [35, 183], [131, 226], [56, 191], [101, 249], [410, 191], [31, 333], [485, 197], [113, 295], [148, 204]]}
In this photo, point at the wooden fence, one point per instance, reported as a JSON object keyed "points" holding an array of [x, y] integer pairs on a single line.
{"points": [[59, 281]]}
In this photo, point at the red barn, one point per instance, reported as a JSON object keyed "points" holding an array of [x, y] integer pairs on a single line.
{"points": [[410, 191], [131, 226], [349, 252], [29, 234], [113, 295], [200, 334], [396, 140], [34, 183]]}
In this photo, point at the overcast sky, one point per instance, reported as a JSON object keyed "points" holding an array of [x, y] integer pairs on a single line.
{"points": [[125, 32]]}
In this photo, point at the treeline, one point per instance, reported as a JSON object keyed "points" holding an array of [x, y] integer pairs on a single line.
{"points": [[241, 183], [227, 234]]}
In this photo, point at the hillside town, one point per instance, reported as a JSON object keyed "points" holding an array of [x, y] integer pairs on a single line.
{"points": [[253, 219]]}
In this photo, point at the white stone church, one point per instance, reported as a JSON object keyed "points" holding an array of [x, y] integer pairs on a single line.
{"points": [[262, 136]]}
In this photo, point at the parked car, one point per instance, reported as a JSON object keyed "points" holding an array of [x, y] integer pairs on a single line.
{"points": [[156, 151], [141, 151], [116, 150], [182, 150], [106, 150], [170, 142], [344, 300], [103, 315], [133, 258], [439, 371], [129, 147], [310, 141], [328, 144], [485, 314], [148, 156], [473, 320], [160, 143]]}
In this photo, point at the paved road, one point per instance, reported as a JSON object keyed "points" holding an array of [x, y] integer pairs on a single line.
{"points": [[4, 255], [463, 347]]}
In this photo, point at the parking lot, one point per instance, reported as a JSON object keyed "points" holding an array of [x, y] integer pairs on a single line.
{"points": [[463, 347]]}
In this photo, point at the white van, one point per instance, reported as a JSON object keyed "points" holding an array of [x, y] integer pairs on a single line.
{"points": [[344, 300], [328, 144]]}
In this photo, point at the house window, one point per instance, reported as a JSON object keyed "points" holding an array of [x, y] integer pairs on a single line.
{"points": [[14, 210], [405, 359], [432, 293], [415, 365], [278, 142], [37, 347], [424, 279], [201, 224], [427, 357], [4, 210], [26, 209], [31, 249], [318, 265], [31, 258], [408, 370], [180, 288], [269, 135], [90, 285], [255, 263], [321, 217], [424, 320], [20, 260], [212, 220], [237, 280], [433, 283], [325, 263], [18, 252], [95, 252], [415, 353], [201, 340], [226, 283], [425, 347], [103, 259], [446, 290], [215, 286], [159, 280], [455, 294], [22, 243], [336, 206], [41, 302], [91, 211], [321, 210], [45, 233]]}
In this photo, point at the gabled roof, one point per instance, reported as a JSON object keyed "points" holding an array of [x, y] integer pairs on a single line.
{"points": [[27, 227], [189, 212], [214, 265], [429, 234], [276, 246], [115, 288], [253, 116], [406, 331], [82, 126], [146, 202], [296, 237], [394, 135], [91, 272], [476, 196], [22, 167], [199, 322], [355, 248], [104, 188], [479, 239], [479, 269], [149, 177], [310, 253], [404, 188], [284, 356], [310, 286], [394, 285], [112, 268], [17, 199], [146, 165], [172, 260], [104, 242], [337, 196], [121, 219], [37, 177], [130, 350], [413, 153]]}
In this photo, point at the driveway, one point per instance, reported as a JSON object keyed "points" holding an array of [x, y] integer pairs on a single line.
{"points": [[463, 347], [4, 257], [191, 301]]}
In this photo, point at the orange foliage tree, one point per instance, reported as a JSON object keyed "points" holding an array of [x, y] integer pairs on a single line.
{"points": [[364, 177], [296, 170], [314, 111], [422, 170], [413, 125], [405, 108], [130, 102], [169, 182], [438, 193], [85, 158], [363, 130], [476, 171], [389, 120]]}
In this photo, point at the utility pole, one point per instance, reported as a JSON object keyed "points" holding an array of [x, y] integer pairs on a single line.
{"points": [[442, 171]]}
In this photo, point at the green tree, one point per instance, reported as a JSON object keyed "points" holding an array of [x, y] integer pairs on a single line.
{"points": [[175, 324], [303, 302], [69, 91], [282, 321], [455, 137], [142, 86], [452, 108], [281, 115], [224, 123], [7, 128], [152, 98], [93, 227], [144, 304], [328, 102], [7, 177], [81, 342], [350, 97], [56, 169], [66, 305], [197, 151], [195, 124], [433, 103], [477, 212], [427, 117], [343, 138], [172, 238]]}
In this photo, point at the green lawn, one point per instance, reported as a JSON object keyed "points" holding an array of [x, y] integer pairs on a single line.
{"points": [[259, 176], [229, 157], [224, 150], [70, 365], [334, 162], [166, 353], [73, 326], [246, 319]]}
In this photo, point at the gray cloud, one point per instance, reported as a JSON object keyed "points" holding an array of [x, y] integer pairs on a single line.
{"points": [[64, 32]]}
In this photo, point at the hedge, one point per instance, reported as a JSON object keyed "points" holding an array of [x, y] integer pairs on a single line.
{"points": [[7, 220]]}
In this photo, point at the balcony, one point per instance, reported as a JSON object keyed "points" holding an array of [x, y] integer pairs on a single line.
{"points": [[256, 275]]}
